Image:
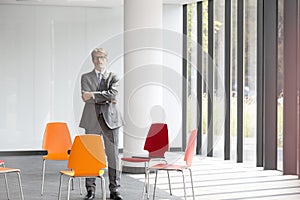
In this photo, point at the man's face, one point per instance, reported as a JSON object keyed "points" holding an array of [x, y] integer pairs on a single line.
{"points": [[99, 60]]}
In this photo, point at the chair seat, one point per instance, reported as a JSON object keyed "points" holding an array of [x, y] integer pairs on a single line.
{"points": [[129, 159], [57, 156], [168, 167], [7, 170], [83, 174]]}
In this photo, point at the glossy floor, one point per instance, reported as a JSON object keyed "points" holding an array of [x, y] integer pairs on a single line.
{"points": [[213, 179]]}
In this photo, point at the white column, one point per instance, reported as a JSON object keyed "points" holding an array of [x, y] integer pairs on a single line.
{"points": [[142, 75]]}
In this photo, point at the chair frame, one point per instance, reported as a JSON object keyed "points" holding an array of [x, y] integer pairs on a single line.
{"points": [[2, 163], [157, 155], [4, 170], [45, 144], [75, 158], [166, 167], [71, 179]]}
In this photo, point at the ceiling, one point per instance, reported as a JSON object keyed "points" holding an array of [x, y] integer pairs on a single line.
{"points": [[85, 3]]}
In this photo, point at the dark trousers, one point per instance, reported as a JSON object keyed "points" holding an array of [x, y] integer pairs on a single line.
{"points": [[111, 141]]}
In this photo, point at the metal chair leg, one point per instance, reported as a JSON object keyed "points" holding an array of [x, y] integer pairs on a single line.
{"points": [[60, 182], [80, 188], [69, 186], [168, 178], [103, 187], [155, 184], [146, 185], [7, 189], [183, 179], [169, 183], [43, 177], [72, 184], [192, 183], [20, 185], [6, 183]]}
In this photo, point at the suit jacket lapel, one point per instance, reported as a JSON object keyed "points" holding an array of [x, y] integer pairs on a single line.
{"points": [[94, 79]]}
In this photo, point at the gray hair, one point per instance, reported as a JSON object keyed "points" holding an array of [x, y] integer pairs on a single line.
{"points": [[99, 50]]}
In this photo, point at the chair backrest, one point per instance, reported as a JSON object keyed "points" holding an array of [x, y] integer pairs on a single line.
{"points": [[190, 149], [87, 155], [157, 141], [57, 140]]}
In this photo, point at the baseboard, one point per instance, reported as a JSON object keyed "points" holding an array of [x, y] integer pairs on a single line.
{"points": [[44, 152], [24, 153]]}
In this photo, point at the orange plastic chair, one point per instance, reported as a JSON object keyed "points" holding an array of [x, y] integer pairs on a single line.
{"points": [[57, 141], [4, 170], [87, 159], [188, 158], [157, 143]]}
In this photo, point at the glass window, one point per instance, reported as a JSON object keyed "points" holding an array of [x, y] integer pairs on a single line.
{"points": [[233, 100], [280, 85], [250, 38], [192, 105], [250, 66], [219, 90]]}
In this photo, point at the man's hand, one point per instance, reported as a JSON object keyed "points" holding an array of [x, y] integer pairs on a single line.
{"points": [[86, 95]]}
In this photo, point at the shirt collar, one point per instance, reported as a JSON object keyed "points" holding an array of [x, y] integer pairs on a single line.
{"points": [[97, 72]]}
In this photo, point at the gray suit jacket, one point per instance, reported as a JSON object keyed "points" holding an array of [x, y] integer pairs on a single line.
{"points": [[92, 107]]}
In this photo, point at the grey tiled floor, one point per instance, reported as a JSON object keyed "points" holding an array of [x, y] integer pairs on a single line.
{"points": [[213, 179]]}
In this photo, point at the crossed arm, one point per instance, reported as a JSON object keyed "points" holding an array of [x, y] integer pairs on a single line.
{"points": [[108, 94]]}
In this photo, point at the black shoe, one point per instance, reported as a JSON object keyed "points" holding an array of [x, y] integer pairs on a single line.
{"points": [[90, 195], [115, 196]]}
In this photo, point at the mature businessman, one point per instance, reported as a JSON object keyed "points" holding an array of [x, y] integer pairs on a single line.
{"points": [[101, 116]]}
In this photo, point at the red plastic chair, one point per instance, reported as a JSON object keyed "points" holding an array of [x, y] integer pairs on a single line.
{"points": [[157, 143], [188, 158], [57, 141]]}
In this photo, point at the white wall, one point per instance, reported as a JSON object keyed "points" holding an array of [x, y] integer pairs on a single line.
{"points": [[45, 49]]}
